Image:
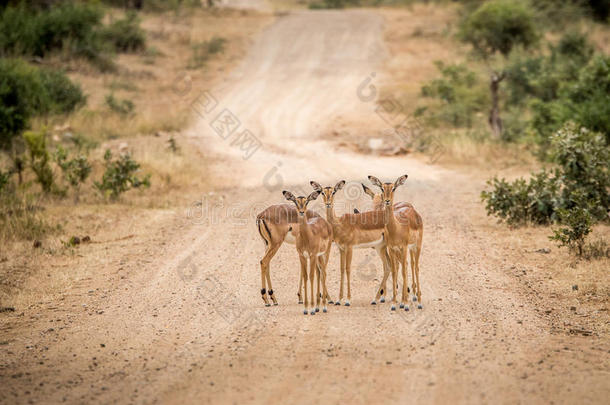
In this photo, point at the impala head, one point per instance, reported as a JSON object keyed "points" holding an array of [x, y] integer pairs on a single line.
{"points": [[387, 189], [301, 202], [328, 193]]}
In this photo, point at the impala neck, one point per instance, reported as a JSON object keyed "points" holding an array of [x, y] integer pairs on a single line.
{"points": [[330, 214], [304, 226], [389, 220]]}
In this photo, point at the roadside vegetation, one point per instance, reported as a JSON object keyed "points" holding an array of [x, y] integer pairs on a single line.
{"points": [[89, 104]]}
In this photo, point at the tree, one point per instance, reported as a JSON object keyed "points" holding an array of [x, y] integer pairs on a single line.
{"points": [[497, 27]]}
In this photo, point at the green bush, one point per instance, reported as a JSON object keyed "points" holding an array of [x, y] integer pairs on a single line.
{"points": [[5, 176], [125, 35], [120, 176], [460, 93], [123, 107], [577, 220], [27, 91], [581, 181], [499, 26], [66, 25], [36, 142], [75, 170]]}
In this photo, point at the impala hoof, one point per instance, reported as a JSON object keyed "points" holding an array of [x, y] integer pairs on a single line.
{"points": [[267, 305], [338, 303], [382, 299], [402, 305], [275, 303], [331, 302], [407, 308], [313, 312], [317, 309], [414, 299], [305, 312], [324, 310], [374, 303], [419, 306], [347, 304], [301, 302], [393, 307]]}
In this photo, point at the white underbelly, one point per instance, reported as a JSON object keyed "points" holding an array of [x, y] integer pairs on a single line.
{"points": [[289, 238], [371, 244]]}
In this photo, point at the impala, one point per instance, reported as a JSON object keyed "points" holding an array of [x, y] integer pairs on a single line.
{"points": [[404, 233], [378, 205], [353, 231], [277, 224], [313, 240]]}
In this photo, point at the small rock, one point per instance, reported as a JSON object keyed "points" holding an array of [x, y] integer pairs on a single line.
{"points": [[575, 287], [572, 308], [544, 250], [37, 244], [74, 240], [86, 239]]}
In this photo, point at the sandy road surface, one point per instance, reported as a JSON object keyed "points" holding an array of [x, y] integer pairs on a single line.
{"points": [[185, 322]]}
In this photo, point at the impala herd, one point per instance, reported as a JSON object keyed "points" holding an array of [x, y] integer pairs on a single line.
{"points": [[394, 230]]}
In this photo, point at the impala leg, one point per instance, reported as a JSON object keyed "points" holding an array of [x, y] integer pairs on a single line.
{"points": [[265, 261], [303, 261], [342, 253], [312, 275], [326, 258], [404, 301], [413, 278], [325, 291], [348, 272], [300, 290], [416, 255], [385, 260], [316, 265], [393, 263]]}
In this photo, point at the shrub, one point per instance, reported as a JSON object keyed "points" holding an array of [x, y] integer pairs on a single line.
{"points": [[499, 26], [583, 157], [203, 50], [66, 25], [577, 221], [120, 176], [26, 91], [125, 35], [75, 170], [123, 107], [524, 201], [36, 142], [460, 93], [581, 180]]}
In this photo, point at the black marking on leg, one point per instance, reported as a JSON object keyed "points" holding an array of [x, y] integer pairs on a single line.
{"points": [[270, 293], [267, 229], [320, 295], [381, 292], [408, 289], [263, 291]]}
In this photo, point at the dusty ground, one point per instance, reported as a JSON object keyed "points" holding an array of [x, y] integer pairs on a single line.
{"points": [[172, 312]]}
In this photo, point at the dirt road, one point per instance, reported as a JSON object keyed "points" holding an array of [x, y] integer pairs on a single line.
{"points": [[180, 318]]}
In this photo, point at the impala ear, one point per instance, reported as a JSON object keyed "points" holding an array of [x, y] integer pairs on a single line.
{"points": [[376, 182], [339, 186], [368, 191], [313, 196], [289, 196], [316, 186], [400, 181]]}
